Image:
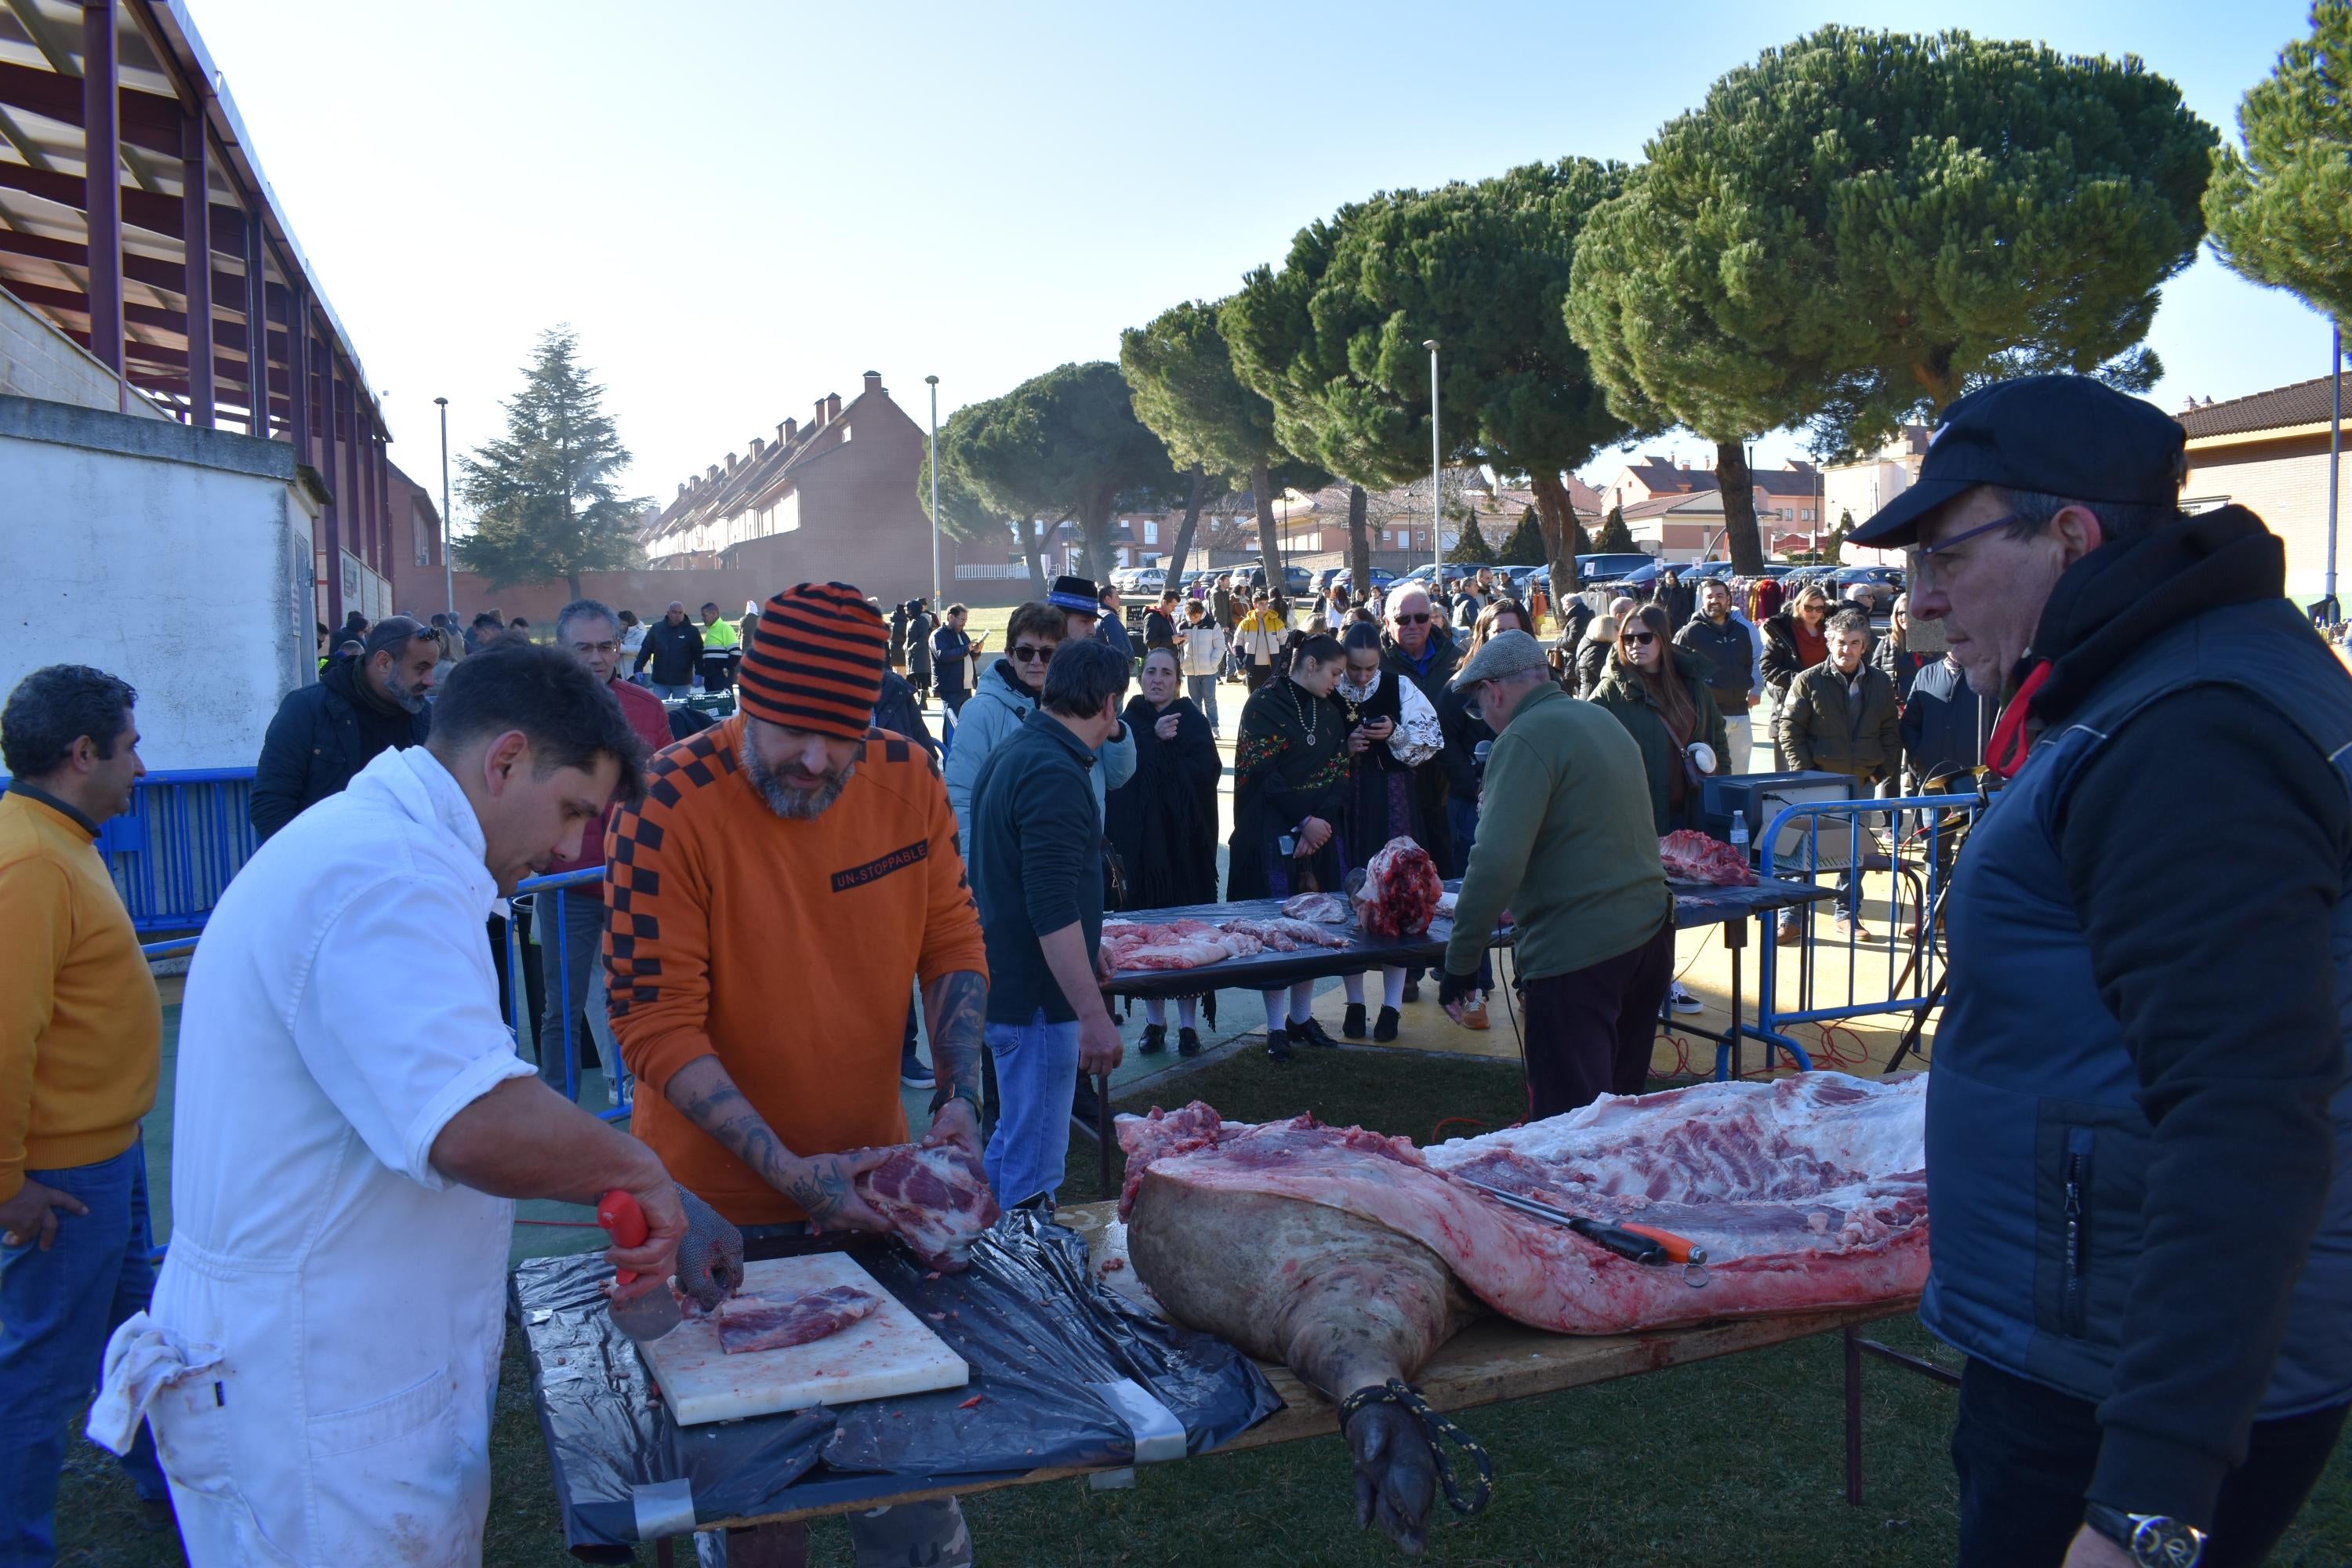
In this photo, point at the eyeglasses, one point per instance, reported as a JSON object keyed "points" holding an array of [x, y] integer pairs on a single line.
{"points": [[1025, 653], [1421, 620], [1641, 640], [1924, 557]]}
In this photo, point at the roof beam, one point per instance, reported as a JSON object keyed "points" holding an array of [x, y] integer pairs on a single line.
{"points": [[28, 16], [147, 120], [27, 148], [163, 275], [165, 216]]}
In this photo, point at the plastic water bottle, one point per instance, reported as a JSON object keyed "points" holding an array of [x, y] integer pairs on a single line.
{"points": [[1740, 832]]}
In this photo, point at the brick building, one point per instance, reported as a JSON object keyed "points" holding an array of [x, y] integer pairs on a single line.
{"points": [[2268, 451]]}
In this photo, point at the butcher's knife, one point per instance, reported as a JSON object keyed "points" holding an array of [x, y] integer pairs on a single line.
{"points": [[643, 1318], [1641, 1243]]}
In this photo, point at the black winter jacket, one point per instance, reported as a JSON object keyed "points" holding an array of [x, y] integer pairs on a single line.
{"points": [[323, 733], [673, 651]]}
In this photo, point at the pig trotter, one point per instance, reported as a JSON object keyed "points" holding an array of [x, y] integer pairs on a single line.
{"points": [[1396, 1441]]}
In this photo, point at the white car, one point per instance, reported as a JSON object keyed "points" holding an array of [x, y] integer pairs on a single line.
{"points": [[1140, 579]]}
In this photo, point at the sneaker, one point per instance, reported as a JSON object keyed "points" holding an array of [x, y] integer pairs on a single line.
{"points": [[1474, 1014], [1847, 925], [913, 1073], [1154, 1040], [1386, 1029], [1351, 1022], [1277, 1045], [1681, 1000], [1187, 1042], [1413, 988], [1312, 1032]]}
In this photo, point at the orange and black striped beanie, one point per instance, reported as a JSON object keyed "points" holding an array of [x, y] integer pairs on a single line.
{"points": [[816, 661]]}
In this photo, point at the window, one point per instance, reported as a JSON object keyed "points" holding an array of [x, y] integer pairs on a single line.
{"points": [[1150, 533], [1786, 514]]}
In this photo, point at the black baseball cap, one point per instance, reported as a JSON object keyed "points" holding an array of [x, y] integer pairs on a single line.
{"points": [[2055, 435]]}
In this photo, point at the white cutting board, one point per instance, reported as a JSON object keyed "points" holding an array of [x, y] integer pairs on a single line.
{"points": [[889, 1350]]}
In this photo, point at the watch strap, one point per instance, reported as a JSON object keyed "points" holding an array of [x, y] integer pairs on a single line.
{"points": [[965, 1092], [2151, 1540]]}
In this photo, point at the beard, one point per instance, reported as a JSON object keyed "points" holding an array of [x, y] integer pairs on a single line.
{"points": [[793, 804]]}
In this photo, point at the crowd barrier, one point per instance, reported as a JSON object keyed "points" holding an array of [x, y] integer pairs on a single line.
{"points": [[1910, 842], [548, 919], [173, 852]]}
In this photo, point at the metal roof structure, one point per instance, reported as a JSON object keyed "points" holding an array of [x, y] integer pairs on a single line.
{"points": [[226, 328]]}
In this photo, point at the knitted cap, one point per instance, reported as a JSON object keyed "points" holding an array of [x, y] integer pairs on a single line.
{"points": [[816, 661]]}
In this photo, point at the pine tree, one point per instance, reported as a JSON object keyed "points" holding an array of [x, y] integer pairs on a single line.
{"points": [[2281, 213], [1525, 545], [1615, 537], [1470, 547], [545, 503]]}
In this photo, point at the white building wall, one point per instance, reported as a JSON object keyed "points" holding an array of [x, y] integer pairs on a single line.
{"points": [[38, 361], [178, 559]]}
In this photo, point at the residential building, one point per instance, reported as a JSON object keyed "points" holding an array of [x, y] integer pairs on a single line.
{"points": [[2268, 451], [1859, 487]]}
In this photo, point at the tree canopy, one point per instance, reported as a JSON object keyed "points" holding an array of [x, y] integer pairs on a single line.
{"points": [[2281, 210], [545, 503], [1470, 546], [1064, 444], [1851, 230], [1614, 535]]}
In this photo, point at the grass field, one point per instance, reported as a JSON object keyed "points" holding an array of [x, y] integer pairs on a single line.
{"points": [[1736, 1460]]}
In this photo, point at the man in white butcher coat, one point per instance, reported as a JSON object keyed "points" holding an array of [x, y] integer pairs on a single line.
{"points": [[351, 1128]]}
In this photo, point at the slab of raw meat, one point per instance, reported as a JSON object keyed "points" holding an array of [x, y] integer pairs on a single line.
{"points": [[772, 1322], [1286, 935], [936, 1199], [1325, 908], [1401, 891], [1690, 857], [1128, 945], [1806, 1193]]}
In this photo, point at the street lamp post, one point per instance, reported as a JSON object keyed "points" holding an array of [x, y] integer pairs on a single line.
{"points": [[2334, 458], [936, 597], [1436, 490], [448, 573]]}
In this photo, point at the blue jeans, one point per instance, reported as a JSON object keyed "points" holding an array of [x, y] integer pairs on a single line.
{"points": [[56, 1308], [1202, 690], [678, 693], [1462, 817], [1036, 1073]]}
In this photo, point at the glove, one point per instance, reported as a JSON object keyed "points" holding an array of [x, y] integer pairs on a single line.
{"points": [[1455, 988], [710, 1258]]}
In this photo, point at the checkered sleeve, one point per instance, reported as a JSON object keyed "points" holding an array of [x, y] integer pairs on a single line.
{"points": [[657, 927]]}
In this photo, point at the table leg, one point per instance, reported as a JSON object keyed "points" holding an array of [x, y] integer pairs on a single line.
{"points": [[1853, 1419], [663, 1557], [768, 1546], [1735, 941], [1102, 1130]]}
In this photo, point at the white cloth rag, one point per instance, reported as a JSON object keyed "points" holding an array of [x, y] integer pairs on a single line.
{"points": [[141, 1360]]}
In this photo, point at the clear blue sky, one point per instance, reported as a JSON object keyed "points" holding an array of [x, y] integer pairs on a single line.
{"points": [[740, 205]]}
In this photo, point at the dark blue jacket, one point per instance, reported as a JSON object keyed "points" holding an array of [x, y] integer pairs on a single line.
{"points": [[1035, 858], [1944, 725], [2139, 1128], [323, 733]]}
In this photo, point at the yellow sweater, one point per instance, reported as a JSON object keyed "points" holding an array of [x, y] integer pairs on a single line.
{"points": [[80, 1026]]}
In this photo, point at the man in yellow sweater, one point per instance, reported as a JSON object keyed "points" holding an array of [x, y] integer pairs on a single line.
{"points": [[79, 1034]]}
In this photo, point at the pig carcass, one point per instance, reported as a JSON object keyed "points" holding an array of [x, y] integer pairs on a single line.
{"points": [[1366, 1254], [936, 1198]]}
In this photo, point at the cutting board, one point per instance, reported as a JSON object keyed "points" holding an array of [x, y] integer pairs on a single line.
{"points": [[890, 1350]]}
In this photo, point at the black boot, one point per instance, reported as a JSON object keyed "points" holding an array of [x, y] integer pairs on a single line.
{"points": [[1313, 1034], [1351, 1022], [1413, 987], [1187, 1042], [1386, 1029], [1277, 1045], [1154, 1041]]}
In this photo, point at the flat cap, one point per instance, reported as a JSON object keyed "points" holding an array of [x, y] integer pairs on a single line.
{"points": [[1506, 653]]}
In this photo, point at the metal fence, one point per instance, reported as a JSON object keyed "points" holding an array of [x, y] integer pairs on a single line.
{"points": [[174, 852], [1910, 841]]}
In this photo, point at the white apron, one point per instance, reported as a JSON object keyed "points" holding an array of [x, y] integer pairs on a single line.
{"points": [[341, 1008]]}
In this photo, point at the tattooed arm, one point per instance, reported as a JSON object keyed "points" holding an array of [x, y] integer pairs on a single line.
{"points": [[955, 1005], [820, 1183]]}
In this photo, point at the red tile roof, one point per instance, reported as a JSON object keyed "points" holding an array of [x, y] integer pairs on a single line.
{"points": [[2302, 403]]}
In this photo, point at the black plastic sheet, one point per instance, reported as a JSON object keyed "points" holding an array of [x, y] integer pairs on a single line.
{"points": [[1029, 1316]]}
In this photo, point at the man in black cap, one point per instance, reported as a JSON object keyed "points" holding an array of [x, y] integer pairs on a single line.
{"points": [[2139, 1146], [327, 731]]}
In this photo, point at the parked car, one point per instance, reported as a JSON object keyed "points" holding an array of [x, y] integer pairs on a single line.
{"points": [[1298, 581], [1140, 579], [1454, 571], [1600, 570], [1704, 571], [1344, 578]]}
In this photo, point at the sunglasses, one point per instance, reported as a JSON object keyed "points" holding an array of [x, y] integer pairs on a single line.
{"points": [[1028, 654], [1420, 620], [1640, 639]]}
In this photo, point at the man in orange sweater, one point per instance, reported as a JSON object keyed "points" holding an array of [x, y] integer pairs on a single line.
{"points": [[787, 876], [79, 1035]]}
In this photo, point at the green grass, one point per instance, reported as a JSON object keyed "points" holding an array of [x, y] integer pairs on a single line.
{"points": [[1736, 1460]]}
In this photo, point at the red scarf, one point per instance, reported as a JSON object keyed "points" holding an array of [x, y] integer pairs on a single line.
{"points": [[2005, 754]]}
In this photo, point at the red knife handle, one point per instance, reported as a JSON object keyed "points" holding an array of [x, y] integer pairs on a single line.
{"points": [[618, 1212]]}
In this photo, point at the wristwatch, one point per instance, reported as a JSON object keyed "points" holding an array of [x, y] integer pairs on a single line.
{"points": [[2152, 1539]]}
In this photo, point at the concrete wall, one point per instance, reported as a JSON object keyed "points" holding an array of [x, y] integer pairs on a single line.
{"points": [[2285, 483], [38, 361], [178, 559]]}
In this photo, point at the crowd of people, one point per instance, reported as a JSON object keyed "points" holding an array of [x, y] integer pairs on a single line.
{"points": [[353, 1119]]}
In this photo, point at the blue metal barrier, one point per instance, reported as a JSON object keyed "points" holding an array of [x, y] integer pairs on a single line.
{"points": [[1912, 840], [174, 852], [550, 934]]}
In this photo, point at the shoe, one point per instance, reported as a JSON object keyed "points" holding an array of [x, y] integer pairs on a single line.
{"points": [[155, 1515], [1681, 1000], [1846, 925], [1474, 1014], [1312, 1032], [1351, 1022], [1154, 1040], [1277, 1045], [1187, 1042], [913, 1073], [1787, 933], [1412, 990], [1386, 1029]]}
